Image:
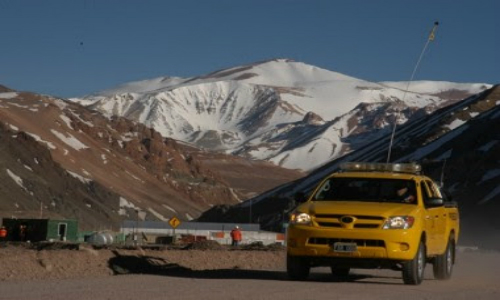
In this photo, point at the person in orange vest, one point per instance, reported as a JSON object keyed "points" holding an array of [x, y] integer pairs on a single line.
{"points": [[236, 236], [3, 233]]}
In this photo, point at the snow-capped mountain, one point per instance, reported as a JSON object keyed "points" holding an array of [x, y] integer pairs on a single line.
{"points": [[263, 110]]}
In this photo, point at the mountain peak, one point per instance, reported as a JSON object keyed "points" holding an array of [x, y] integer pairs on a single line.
{"points": [[278, 60], [313, 119], [4, 89]]}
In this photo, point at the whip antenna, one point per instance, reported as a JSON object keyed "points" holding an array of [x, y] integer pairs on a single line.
{"points": [[430, 39]]}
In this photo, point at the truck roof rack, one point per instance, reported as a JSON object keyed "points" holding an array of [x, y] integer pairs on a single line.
{"points": [[411, 168]]}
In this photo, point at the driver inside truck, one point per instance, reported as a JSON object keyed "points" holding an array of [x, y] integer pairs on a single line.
{"points": [[405, 194]]}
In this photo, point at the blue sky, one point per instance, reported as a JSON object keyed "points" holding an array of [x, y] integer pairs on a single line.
{"points": [[74, 47]]}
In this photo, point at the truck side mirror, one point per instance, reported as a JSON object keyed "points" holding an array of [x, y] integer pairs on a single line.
{"points": [[434, 202]]}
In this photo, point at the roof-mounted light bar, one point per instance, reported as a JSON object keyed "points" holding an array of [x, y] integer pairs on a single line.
{"points": [[382, 167]]}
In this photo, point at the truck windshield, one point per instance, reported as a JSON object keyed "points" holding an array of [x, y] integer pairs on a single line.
{"points": [[368, 190]]}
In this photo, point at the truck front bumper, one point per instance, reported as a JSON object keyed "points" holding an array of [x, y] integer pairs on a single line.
{"points": [[384, 244]]}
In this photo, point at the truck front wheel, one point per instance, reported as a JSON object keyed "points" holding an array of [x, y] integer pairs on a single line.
{"points": [[297, 267], [413, 270], [443, 264]]}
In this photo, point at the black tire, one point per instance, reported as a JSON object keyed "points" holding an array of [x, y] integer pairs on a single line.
{"points": [[413, 270], [340, 272], [443, 264], [297, 267]]}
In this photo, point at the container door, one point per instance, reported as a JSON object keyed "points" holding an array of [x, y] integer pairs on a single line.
{"points": [[62, 229]]}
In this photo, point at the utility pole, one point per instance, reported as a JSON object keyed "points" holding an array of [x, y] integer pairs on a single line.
{"points": [[136, 228]]}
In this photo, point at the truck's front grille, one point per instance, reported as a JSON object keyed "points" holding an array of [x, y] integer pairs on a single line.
{"points": [[338, 225], [357, 221], [359, 242], [359, 217]]}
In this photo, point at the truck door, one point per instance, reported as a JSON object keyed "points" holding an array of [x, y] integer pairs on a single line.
{"points": [[435, 217], [430, 221], [440, 217]]}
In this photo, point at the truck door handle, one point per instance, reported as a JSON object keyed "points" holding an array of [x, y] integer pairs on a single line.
{"points": [[427, 217]]}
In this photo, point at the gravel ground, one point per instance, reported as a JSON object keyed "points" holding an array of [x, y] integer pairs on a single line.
{"points": [[22, 263]]}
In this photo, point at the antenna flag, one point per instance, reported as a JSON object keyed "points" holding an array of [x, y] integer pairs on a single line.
{"points": [[432, 35]]}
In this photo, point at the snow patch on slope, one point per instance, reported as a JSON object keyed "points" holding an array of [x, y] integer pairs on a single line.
{"points": [[157, 215], [8, 95], [39, 139], [18, 180], [79, 177], [70, 141], [123, 204], [490, 196], [491, 174]]}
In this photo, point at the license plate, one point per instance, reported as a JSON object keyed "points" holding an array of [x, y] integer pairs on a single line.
{"points": [[345, 247]]}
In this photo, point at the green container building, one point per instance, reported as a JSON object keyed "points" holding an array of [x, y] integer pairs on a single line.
{"points": [[37, 230]]}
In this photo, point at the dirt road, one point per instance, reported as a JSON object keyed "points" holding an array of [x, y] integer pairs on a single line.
{"points": [[476, 276]]}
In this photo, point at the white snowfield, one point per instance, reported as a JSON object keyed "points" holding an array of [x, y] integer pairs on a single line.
{"points": [[8, 95], [257, 110]]}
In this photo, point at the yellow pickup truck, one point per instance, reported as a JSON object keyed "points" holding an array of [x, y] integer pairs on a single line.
{"points": [[374, 215]]}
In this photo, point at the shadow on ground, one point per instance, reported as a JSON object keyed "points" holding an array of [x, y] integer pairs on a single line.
{"points": [[125, 264]]}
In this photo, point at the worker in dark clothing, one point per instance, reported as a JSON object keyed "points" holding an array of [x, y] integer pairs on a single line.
{"points": [[22, 233], [236, 236]]}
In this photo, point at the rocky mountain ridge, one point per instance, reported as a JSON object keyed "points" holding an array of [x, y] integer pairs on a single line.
{"points": [[61, 159]]}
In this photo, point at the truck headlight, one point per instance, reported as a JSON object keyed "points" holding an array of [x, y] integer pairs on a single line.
{"points": [[399, 222], [300, 218]]}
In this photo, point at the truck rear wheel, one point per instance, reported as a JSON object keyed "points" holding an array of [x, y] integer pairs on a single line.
{"points": [[443, 264], [413, 270], [297, 267]]}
